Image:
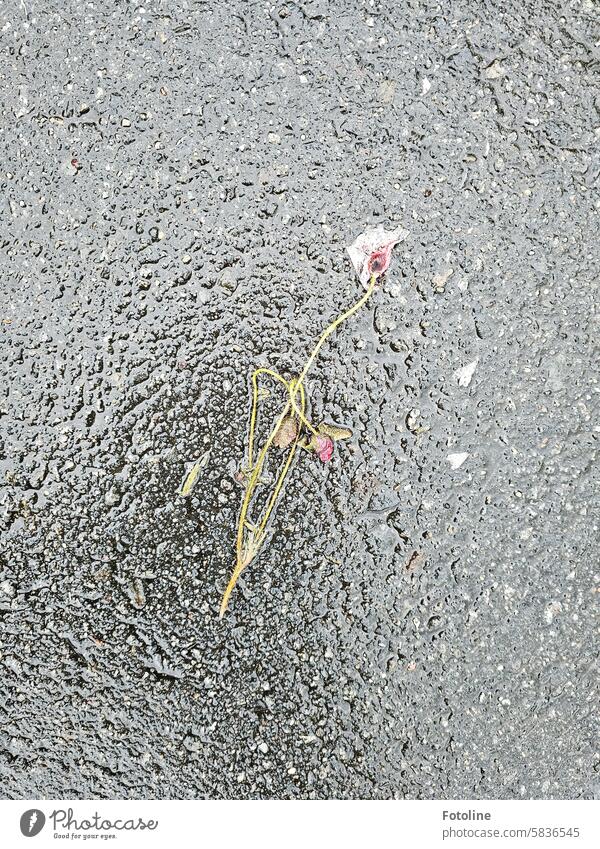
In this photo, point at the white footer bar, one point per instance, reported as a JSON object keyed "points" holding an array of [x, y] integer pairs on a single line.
{"points": [[290, 824]]}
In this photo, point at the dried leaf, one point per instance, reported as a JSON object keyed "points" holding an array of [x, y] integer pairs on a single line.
{"points": [[334, 432], [192, 475], [286, 432], [415, 560]]}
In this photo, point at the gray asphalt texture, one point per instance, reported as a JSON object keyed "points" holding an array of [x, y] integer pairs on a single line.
{"points": [[179, 182]]}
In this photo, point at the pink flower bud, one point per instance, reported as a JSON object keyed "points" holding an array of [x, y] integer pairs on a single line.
{"points": [[324, 448]]}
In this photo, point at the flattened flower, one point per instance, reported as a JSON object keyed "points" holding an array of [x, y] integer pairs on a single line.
{"points": [[371, 252]]}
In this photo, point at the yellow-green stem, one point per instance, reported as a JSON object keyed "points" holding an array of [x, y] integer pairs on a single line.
{"points": [[326, 334], [245, 554]]}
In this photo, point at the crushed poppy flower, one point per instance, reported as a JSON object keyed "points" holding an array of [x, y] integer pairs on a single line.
{"points": [[370, 255], [371, 252]]}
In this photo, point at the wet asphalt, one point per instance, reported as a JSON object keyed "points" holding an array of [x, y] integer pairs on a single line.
{"points": [[179, 181]]}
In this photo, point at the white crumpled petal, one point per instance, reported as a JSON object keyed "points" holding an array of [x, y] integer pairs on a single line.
{"points": [[373, 240]]}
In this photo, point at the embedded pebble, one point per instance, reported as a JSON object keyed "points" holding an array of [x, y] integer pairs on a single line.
{"points": [[456, 460]]}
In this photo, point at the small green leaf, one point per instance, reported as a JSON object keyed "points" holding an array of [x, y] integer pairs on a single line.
{"points": [[334, 432]]}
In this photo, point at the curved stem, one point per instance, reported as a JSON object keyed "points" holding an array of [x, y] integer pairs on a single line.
{"points": [[325, 335], [299, 411], [255, 375], [246, 553], [273, 499], [254, 475]]}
